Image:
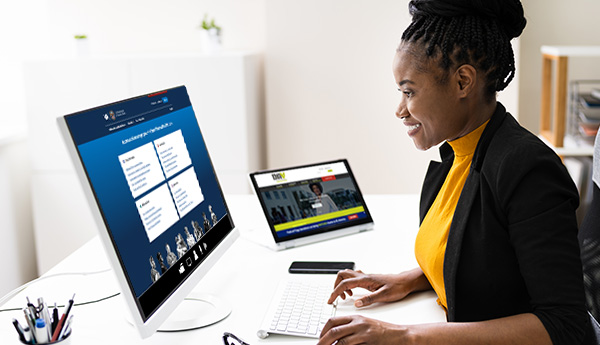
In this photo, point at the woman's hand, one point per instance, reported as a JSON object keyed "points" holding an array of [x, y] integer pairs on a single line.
{"points": [[349, 330], [383, 287]]}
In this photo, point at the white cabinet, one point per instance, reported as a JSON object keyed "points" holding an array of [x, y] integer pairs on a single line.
{"points": [[16, 234], [226, 94]]}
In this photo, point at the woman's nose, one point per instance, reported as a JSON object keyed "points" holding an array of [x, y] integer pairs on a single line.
{"points": [[401, 110]]}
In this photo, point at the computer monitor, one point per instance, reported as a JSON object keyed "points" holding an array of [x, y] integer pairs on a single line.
{"points": [[155, 195]]}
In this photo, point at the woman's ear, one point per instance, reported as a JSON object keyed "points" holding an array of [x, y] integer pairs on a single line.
{"points": [[465, 79]]}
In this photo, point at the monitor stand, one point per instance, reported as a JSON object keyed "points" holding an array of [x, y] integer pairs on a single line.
{"points": [[196, 311]]}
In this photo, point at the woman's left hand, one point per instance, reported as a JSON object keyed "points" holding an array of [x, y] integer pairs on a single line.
{"points": [[350, 330]]}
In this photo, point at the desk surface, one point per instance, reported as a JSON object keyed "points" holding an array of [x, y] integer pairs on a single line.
{"points": [[246, 277]]}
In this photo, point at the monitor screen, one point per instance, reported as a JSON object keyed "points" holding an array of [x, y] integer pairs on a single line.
{"points": [[154, 186]]}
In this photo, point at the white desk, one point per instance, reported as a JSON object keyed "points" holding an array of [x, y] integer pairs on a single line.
{"points": [[246, 276]]}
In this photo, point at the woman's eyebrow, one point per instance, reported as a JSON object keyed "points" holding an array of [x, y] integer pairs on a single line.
{"points": [[405, 81]]}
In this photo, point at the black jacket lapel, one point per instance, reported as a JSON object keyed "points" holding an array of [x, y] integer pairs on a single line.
{"points": [[434, 179], [463, 208]]}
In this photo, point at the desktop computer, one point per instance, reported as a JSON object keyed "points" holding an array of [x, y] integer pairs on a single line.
{"points": [[163, 219]]}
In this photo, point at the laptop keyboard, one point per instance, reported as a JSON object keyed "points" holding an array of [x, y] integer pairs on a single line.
{"points": [[299, 308]]}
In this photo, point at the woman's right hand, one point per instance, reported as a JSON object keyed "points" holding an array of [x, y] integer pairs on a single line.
{"points": [[383, 287]]}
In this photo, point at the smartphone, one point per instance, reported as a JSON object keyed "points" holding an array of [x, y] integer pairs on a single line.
{"points": [[320, 267]]}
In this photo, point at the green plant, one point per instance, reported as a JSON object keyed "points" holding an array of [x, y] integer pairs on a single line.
{"points": [[209, 24], [80, 37]]}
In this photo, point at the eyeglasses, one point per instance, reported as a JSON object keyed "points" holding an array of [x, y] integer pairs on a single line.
{"points": [[230, 339]]}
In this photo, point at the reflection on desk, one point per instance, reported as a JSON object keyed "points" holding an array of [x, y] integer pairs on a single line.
{"points": [[246, 277]]}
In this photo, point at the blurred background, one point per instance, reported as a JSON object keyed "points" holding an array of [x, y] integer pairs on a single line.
{"points": [[292, 82]]}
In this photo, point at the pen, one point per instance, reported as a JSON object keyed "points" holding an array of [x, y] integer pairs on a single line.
{"points": [[30, 323], [68, 319], [32, 309], [28, 335], [59, 328], [19, 330], [45, 315], [67, 327], [29, 304], [55, 318]]}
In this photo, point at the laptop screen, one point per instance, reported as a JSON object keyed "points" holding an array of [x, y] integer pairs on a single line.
{"points": [[311, 199]]}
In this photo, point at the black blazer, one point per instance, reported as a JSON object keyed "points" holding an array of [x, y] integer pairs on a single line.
{"points": [[512, 246]]}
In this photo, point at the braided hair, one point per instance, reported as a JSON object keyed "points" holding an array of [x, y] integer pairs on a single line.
{"points": [[475, 32]]}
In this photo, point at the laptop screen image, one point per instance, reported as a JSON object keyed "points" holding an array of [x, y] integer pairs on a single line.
{"points": [[302, 201]]}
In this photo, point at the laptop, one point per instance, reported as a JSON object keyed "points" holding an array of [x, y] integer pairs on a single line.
{"points": [[311, 203]]}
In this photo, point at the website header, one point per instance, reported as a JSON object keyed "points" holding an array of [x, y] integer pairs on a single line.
{"points": [[325, 171], [98, 122]]}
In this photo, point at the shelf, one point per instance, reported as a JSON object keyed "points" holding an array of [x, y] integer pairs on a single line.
{"points": [[553, 108], [571, 51], [571, 148]]}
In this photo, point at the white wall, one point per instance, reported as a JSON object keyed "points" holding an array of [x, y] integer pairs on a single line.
{"points": [[331, 93], [34, 28], [555, 22], [20, 23], [137, 26], [21, 28]]}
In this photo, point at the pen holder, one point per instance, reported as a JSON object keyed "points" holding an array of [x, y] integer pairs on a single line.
{"points": [[66, 340], [41, 325]]}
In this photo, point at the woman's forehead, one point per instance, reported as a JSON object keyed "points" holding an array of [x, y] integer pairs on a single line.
{"points": [[411, 62]]}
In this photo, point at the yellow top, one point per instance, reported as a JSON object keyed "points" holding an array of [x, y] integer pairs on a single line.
{"points": [[430, 245]]}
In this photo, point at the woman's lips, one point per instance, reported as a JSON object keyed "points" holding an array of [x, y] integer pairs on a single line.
{"points": [[413, 129]]}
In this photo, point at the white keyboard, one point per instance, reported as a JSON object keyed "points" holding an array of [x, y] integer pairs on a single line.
{"points": [[299, 307]]}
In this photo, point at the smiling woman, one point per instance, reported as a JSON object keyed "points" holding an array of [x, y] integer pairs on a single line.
{"points": [[498, 234], [435, 111], [462, 50]]}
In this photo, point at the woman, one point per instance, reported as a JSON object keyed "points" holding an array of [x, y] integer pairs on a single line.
{"points": [[498, 235], [323, 202]]}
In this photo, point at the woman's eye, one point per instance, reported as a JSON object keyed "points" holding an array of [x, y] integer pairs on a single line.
{"points": [[407, 93]]}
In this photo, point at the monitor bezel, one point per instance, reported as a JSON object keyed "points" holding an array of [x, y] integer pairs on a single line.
{"points": [[170, 302]]}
